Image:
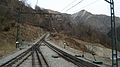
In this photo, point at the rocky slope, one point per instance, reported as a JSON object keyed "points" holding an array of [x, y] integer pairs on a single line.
{"points": [[83, 25], [98, 26], [8, 25], [97, 22]]}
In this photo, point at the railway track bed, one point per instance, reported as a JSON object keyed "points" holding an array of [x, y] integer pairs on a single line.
{"points": [[43, 54]]}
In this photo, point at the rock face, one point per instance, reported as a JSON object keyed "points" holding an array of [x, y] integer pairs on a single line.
{"points": [[82, 25], [98, 24]]}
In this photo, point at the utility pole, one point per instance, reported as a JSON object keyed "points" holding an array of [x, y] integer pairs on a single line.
{"points": [[18, 40], [113, 35]]}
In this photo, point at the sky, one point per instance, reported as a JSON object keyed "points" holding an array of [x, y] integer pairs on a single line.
{"points": [[93, 6]]}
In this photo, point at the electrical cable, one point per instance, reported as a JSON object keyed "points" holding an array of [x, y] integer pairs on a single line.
{"points": [[68, 5], [89, 4], [74, 5]]}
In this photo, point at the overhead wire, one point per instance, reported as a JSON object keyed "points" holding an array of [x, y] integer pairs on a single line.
{"points": [[89, 4], [68, 5], [74, 5]]}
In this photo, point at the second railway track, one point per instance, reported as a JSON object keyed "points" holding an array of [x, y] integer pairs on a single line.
{"points": [[69, 57], [29, 57]]}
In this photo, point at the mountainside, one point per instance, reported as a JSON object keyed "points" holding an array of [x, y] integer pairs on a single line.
{"points": [[8, 26], [83, 25], [97, 22], [100, 25]]}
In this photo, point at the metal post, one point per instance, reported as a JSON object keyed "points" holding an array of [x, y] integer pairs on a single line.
{"points": [[18, 29], [50, 23], [18, 34], [114, 35]]}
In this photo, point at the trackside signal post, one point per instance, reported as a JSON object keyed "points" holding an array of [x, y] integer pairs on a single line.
{"points": [[18, 40], [113, 35], [18, 28]]}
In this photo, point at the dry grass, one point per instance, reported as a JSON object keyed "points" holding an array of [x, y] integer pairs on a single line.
{"points": [[7, 38], [74, 44], [69, 41], [6, 48], [7, 41], [80, 45]]}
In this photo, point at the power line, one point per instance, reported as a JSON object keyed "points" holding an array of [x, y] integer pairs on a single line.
{"points": [[74, 5], [68, 5], [90, 4]]}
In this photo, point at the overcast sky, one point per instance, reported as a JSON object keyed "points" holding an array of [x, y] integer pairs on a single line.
{"points": [[93, 6]]}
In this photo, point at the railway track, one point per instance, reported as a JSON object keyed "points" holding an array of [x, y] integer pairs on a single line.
{"points": [[69, 57], [33, 57], [31, 54]]}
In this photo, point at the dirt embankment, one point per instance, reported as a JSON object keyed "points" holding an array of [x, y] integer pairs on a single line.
{"points": [[79, 47], [29, 33], [92, 48]]}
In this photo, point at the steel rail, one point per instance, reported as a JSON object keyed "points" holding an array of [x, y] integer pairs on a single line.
{"points": [[38, 57], [19, 56], [43, 57], [65, 57], [71, 58], [23, 60], [13, 60]]}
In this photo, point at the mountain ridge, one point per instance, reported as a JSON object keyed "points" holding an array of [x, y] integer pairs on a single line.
{"points": [[83, 25]]}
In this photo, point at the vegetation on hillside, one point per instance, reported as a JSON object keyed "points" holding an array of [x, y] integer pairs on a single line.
{"points": [[8, 25], [87, 27]]}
